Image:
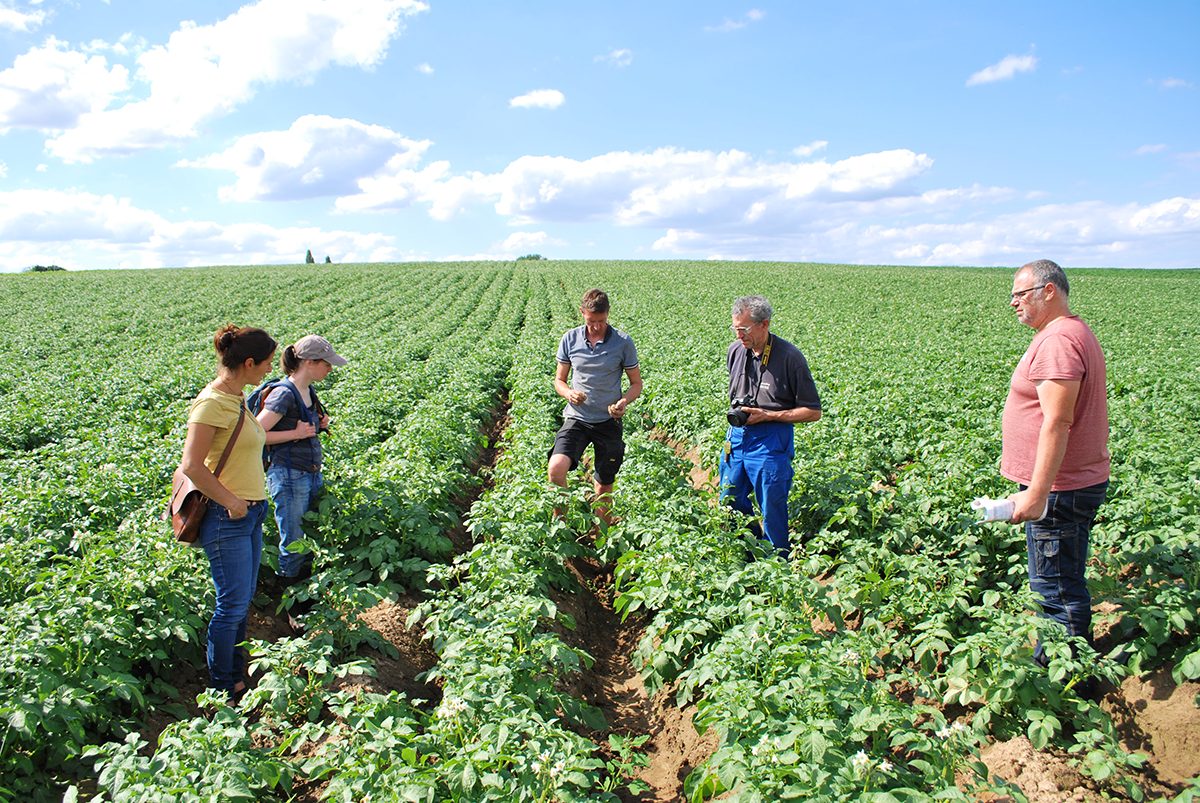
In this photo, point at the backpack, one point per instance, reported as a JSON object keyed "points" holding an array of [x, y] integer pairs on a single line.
{"points": [[258, 398]]}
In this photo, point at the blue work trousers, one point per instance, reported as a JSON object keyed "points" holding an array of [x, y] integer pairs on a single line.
{"points": [[757, 462]]}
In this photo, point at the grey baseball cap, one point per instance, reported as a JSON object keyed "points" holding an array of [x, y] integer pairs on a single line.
{"points": [[315, 347]]}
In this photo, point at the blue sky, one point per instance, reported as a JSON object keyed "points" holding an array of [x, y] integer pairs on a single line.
{"points": [[145, 134]]}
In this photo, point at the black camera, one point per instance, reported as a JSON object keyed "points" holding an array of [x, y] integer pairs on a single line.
{"points": [[737, 416]]}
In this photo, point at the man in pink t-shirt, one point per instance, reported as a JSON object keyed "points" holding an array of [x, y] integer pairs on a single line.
{"points": [[1055, 444]]}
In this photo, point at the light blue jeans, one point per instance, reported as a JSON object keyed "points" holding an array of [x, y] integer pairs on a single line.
{"points": [[234, 549], [294, 492]]}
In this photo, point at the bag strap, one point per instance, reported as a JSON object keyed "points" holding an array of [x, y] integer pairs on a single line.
{"points": [[229, 446], [301, 407]]}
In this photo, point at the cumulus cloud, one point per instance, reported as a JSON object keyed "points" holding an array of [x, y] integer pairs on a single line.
{"points": [[538, 99], [51, 87], [1003, 70], [318, 156], [424, 68], [725, 205], [815, 146], [1085, 234], [521, 242], [620, 57], [204, 71], [126, 46], [728, 25], [85, 230], [665, 187], [22, 21]]}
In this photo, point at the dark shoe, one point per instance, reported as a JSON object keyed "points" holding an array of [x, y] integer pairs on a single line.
{"points": [[236, 694]]}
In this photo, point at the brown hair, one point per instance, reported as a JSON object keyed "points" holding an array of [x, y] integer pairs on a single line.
{"points": [[236, 344], [289, 362], [594, 300]]}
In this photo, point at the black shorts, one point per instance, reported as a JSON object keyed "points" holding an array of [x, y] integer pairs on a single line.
{"points": [[575, 435]]}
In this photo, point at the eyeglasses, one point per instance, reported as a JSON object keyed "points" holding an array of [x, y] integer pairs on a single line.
{"points": [[1017, 296], [741, 330]]}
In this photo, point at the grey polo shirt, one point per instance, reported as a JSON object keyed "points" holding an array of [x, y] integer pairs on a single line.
{"points": [[784, 383], [596, 370]]}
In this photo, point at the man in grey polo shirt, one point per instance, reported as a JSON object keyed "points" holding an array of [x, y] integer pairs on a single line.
{"points": [[594, 356]]}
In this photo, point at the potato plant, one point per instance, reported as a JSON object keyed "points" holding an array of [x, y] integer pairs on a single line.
{"points": [[876, 662]]}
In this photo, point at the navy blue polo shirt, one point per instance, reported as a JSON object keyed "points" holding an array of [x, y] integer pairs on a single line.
{"points": [[783, 383], [596, 370]]}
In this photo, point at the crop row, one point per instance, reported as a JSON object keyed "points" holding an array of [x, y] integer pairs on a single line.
{"points": [[103, 609]]}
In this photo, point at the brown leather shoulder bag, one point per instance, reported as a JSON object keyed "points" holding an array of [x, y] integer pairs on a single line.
{"points": [[188, 504]]}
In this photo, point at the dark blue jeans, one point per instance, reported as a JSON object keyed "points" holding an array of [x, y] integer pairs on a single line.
{"points": [[1058, 552], [234, 549]]}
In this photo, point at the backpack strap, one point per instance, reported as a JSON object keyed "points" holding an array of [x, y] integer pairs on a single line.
{"points": [[301, 407], [229, 446]]}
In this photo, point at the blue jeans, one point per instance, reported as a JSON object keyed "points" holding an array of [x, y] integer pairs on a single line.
{"points": [[759, 464], [234, 549], [1058, 552], [294, 492]]}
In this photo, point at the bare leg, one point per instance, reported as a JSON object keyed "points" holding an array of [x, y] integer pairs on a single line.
{"points": [[556, 472]]}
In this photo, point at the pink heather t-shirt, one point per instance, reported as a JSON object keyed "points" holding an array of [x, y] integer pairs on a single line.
{"points": [[1065, 349]]}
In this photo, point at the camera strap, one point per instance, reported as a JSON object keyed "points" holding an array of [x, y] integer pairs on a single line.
{"points": [[766, 355]]}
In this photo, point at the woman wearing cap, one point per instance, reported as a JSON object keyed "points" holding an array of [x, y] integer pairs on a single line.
{"points": [[231, 532], [293, 417]]}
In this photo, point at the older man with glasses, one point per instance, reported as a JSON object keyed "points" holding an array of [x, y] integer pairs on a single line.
{"points": [[1055, 444], [770, 390]]}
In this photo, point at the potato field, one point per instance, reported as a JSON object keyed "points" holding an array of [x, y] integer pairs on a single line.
{"points": [[467, 644]]}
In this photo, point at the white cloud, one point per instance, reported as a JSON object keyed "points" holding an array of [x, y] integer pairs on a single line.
{"points": [[729, 25], [522, 242], [51, 87], [538, 99], [23, 21], [1175, 83], [1003, 70], [424, 68], [620, 57], [1084, 234], [815, 146], [125, 46], [204, 71], [3, 170], [653, 188], [1145, 149], [83, 230], [317, 156]]}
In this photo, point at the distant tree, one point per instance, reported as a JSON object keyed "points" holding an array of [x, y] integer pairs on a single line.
{"points": [[308, 258], [44, 268], [530, 257], [328, 261]]}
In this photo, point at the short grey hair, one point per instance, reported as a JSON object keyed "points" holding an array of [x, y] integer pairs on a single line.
{"points": [[1047, 272], [757, 307]]}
